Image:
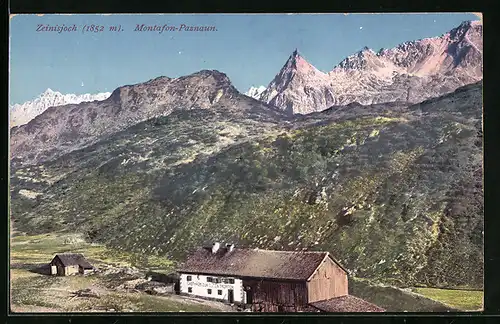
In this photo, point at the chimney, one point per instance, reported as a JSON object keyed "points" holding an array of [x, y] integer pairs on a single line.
{"points": [[215, 247], [229, 247]]}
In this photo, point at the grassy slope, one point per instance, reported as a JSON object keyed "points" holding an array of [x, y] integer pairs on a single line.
{"points": [[460, 299], [30, 289], [38, 249], [394, 299], [396, 199]]}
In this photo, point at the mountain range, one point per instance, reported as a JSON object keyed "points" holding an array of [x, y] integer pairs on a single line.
{"points": [[411, 72], [20, 114], [61, 129], [391, 187]]}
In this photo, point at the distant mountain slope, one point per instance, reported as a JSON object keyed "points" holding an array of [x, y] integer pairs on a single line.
{"points": [[61, 129], [21, 114], [395, 193], [411, 72]]}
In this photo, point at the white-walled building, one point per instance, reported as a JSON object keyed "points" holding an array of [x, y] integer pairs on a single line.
{"points": [[269, 281], [209, 286]]}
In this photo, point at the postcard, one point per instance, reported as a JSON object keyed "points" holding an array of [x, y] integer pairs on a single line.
{"points": [[261, 163]]}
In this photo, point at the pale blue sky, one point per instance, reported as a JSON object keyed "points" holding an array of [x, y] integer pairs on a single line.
{"points": [[250, 49]]}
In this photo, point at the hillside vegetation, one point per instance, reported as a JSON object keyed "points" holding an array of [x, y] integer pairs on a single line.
{"points": [[395, 194]]}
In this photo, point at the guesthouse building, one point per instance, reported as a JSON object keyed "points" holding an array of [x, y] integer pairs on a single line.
{"points": [[264, 280]]}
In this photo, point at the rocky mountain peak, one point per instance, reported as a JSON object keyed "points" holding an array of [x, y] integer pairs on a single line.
{"points": [[49, 91], [297, 63], [296, 73], [362, 59], [205, 84], [465, 30], [468, 24], [412, 71], [219, 77]]}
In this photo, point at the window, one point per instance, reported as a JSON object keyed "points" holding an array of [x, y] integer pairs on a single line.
{"points": [[189, 278], [210, 279], [209, 291], [190, 289], [217, 280], [219, 292], [231, 281]]}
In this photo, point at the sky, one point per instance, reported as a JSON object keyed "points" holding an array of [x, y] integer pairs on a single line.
{"points": [[250, 49]]}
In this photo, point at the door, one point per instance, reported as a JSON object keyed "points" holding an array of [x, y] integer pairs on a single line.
{"points": [[53, 270], [230, 296], [249, 297]]}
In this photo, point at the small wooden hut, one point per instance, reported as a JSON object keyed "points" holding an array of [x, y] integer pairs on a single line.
{"points": [[70, 264]]}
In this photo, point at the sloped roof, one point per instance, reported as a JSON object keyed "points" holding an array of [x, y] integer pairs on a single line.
{"points": [[69, 259], [256, 263], [346, 304]]}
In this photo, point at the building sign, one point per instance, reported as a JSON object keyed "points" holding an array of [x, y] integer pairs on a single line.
{"points": [[209, 285]]}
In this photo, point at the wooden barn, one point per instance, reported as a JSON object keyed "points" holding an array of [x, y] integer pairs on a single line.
{"points": [[264, 280], [70, 264]]}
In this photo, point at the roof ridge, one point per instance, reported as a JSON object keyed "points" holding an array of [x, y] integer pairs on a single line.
{"points": [[281, 251], [69, 253]]}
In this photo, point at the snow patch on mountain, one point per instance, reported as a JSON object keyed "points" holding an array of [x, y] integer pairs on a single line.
{"points": [[21, 114], [255, 92]]}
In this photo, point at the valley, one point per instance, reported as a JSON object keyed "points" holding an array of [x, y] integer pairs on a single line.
{"points": [[329, 182], [378, 162], [32, 291]]}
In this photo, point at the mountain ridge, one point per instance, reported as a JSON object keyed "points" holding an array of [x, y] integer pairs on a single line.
{"points": [[412, 71], [61, 129]]}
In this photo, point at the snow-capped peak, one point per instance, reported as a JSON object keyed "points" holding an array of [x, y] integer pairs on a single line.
{"points": [[255, 92], [21, 114]]}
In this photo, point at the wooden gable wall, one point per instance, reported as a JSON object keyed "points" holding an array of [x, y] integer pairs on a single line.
{"points": [[329, 281]]}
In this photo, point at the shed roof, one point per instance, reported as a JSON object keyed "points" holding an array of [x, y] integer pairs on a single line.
{"points": [[255, 263], [68, 259], [347, 304]]}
